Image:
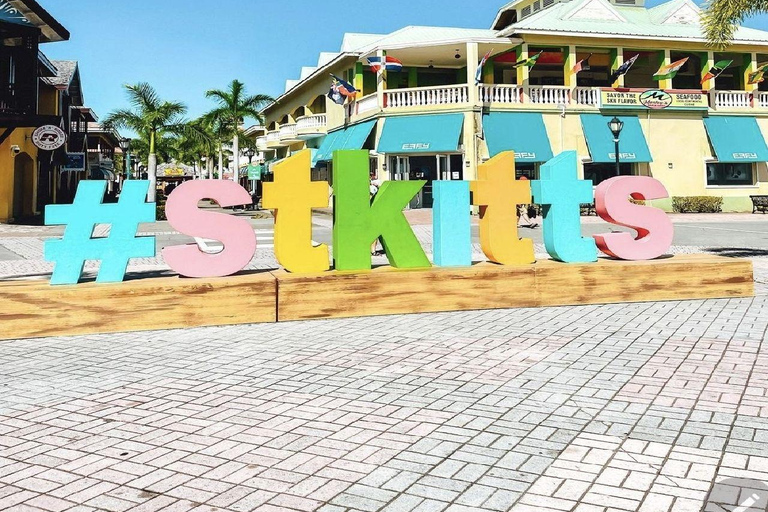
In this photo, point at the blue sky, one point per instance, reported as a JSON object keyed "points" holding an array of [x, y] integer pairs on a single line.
{"points": [[185, 47]]}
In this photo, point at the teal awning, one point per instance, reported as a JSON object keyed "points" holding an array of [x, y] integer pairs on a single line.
{"points": [[633, 147], [351, 137], [736, 139], [437, 133], [521, 132]]}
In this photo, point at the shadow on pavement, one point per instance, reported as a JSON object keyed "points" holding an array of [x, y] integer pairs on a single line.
{"points": [[738, 252]]}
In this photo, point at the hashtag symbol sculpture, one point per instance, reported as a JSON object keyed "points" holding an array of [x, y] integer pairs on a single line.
{"points": [[70, 253]]}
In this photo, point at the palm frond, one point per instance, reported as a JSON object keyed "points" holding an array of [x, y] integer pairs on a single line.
{"points": [[722, 18]]}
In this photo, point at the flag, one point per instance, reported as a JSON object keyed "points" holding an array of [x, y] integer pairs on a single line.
{"points": [[669, 71], [479, 72], [389, 64], [756, 77], [624, 68], [341, 90], [582, 65], [529, 62], [715, 71]]}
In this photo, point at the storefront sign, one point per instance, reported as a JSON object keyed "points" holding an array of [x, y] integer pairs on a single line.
{"points": [[653, 99], [49, 137], [170, 171], [254, 172], [75, 162], [357, 220], [751, 157], [624, 156], [416, 147]]}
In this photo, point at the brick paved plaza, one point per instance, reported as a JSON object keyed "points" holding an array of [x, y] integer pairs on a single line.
{"points": [[638, 407]]}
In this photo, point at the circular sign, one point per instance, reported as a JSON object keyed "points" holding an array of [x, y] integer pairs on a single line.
{"points": [[49, 137], [656, 99]]}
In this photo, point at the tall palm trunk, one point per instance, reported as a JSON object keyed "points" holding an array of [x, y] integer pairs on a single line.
{"points": [[152, 170], [221, 162], [209, 167], [236, 151]]}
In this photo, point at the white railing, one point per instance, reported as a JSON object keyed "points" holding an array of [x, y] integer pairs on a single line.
{"points": [[507, 94], [367, 104], [733, 99], [587, 96], [313, 122], [288, 131], [427, 96], [261, 142], [763, 99], [549, 95], [273, 136]]}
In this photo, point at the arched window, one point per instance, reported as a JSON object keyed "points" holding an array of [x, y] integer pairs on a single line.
{"points": [[318, 105]]}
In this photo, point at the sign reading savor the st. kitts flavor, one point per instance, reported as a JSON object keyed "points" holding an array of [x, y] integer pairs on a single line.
{"points": [[653, 99]]}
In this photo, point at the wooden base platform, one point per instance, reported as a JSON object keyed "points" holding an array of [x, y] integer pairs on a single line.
{"points": [[30, 309]]}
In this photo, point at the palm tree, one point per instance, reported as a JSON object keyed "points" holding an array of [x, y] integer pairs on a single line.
{"points": [[234, 106], [152, 119], [722, 18]]}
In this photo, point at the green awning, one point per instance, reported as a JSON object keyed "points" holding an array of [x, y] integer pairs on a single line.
{"points": [[521, 132], [351, 137], [736, 139], [438, 133], [633, 147]]}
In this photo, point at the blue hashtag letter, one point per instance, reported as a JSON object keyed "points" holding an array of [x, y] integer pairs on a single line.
{"points": [[71, 252]]}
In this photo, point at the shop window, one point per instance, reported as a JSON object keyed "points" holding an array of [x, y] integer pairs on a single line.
{"points": [[598, 173], [730, 174], [528, 170]]}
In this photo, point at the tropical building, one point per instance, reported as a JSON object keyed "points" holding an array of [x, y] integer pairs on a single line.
{"points": [[26, 103], [549, 85]]}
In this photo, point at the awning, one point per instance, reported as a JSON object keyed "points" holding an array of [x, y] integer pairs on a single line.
{"points": [[421, 134], [633, 147], [736, 139], [351, 137], [521, 132]]}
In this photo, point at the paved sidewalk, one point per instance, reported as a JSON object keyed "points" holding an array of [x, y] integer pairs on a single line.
{"points": [[633, 407]]}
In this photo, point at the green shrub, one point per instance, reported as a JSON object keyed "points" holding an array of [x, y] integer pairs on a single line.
{"points": [[160, 206], [697, 204]]}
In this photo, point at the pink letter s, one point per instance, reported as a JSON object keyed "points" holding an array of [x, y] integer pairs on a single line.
{"points": [[654, 228], [236, 234]]}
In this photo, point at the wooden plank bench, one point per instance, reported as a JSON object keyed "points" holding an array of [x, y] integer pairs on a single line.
{"points": [[759, 203]]}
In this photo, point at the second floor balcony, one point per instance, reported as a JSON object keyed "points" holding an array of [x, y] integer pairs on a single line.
{"points": [[308, 127]]}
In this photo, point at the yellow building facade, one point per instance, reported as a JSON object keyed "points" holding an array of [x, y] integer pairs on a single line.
{"points": [[433, 119]]}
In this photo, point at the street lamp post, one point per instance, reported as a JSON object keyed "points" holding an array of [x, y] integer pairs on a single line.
{"points": [[616, 125], [125, 145], [250, 154]]}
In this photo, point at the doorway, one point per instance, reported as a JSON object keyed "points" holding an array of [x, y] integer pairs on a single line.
{"points": [[23, 186], [428, 168]]}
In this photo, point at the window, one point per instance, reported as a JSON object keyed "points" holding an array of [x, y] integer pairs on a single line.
{"points": [[598, 173], [536, 5], [528, 169], [724, 175], [525, 12]]}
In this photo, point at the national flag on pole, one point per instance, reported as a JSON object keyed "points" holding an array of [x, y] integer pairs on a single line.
{"points": [[379, 64], [529, 62], [479, 72], [716, 70], [582, 65], [624, 68], [341, 90], [669, 71], [756, 77]]}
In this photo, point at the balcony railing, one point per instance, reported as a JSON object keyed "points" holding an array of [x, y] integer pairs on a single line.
{"points": [[733, 99], [273, 137], [586, 96], [314, 122], [762, 97], [427, 96], [11, 102], [549, 95], [504, 94], [261, 142], [288, 131]]}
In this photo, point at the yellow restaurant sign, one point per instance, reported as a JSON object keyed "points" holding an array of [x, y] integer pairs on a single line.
{"points": [[653, 99]]}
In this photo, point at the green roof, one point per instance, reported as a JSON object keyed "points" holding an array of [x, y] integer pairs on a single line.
{"points": [[676, 19]]}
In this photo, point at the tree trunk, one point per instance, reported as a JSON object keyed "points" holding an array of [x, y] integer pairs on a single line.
{"points": [[152, 176], [209, 167], [152, 170], [221, 162], [236, 151]]}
